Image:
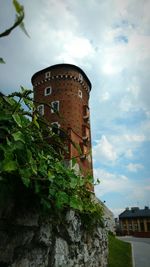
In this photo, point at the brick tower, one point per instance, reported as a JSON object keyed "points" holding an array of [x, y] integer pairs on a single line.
{"points": [[67, 88]]}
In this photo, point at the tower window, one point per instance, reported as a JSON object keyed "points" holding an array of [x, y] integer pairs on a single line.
{"points": [[47, 91], [83, 151], [80, 77], [80, 93], [86, 112], [86, 133], [40, 109], [55, 127], [48, 74], [54, 106]]}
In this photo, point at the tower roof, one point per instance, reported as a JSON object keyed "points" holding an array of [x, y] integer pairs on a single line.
{"points": [[69, 66]]}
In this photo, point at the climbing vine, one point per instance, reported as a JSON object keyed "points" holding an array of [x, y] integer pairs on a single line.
{"points": [[18, 22], [33, 156]]}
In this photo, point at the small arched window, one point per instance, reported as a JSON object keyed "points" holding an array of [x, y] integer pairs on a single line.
{"points": [[40, 109], [80, 93], [55, 127], [48, 74], [54, 106], [47, 91], [80, 77]]}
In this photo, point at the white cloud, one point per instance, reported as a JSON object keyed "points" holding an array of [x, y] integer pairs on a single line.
{"points": [[126, 104], [134, 90], [104, 150], [142, 192], [145, 127], [110, 182], [128, 153], [109, 149], [127, 145], [105, 97], [117, 211], [76, 48], [134, 138], [133, 167], [130, 192]]}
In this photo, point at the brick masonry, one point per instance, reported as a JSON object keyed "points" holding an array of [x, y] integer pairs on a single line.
{"points": [[71, 87]]}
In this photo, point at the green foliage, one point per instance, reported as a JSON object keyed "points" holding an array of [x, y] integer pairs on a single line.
{"points": [[32, 155], [18, 22], [119, 253], [2, 60]]}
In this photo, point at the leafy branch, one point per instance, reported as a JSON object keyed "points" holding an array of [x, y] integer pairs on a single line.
{"points": [[18, 22], [32, 156]]}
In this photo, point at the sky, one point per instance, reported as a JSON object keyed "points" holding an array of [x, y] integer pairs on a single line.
{"points": [[110, 41]]}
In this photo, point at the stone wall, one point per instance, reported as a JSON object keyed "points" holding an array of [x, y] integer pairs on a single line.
{"points": [[109, 219], [28, 239]]}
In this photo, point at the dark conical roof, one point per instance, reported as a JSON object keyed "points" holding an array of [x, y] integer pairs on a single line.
{"points": [[69, 66]]}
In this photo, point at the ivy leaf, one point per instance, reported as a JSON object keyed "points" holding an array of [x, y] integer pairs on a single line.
{"points": [[17, 119], [4, 117], [61, 199], [8, 142], [34, 166], [74, 161], [20, 10], [97, 182], [28, 102], [9, 165], [76, 203], [9, 100], [2, 61], [73, 182], [19, 18], [18, 7], [35, 121], [50, 176], [33, 163], [81, 181], [26, 92], [18, 136], [24, 29], [25, 176]]}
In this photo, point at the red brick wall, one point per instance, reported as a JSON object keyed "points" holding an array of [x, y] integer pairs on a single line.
{"points": [[66, 83]]}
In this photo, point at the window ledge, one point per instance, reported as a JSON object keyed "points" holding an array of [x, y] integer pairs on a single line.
{"points": [[85, 138]]}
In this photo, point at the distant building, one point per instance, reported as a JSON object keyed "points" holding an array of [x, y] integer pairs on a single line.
{"points": [[135, 222], [61, 94]]}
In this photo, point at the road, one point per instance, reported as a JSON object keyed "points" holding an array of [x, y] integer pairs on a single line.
{"points": [[140, 250]]}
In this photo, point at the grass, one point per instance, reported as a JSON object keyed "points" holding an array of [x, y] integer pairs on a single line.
{"points": [[120, 254]]}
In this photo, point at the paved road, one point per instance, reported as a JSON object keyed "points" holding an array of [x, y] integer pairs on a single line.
{"points": [[140, 250]]}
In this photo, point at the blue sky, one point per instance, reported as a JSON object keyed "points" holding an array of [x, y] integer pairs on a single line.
{"points": [[110, 41]]}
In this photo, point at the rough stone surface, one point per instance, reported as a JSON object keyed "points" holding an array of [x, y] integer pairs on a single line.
{"points": [[28, 239]]}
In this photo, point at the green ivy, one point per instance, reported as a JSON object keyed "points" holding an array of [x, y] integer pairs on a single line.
{"points": [[33, 156]]}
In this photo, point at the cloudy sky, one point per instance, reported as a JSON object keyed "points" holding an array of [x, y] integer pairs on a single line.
{"points": [[110, 41]]}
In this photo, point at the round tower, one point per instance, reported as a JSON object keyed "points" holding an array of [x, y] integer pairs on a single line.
{"points": [[66, 88]]}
